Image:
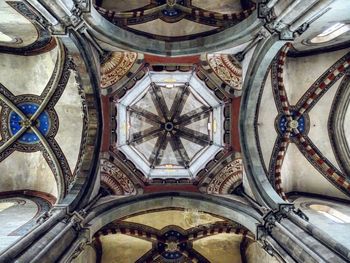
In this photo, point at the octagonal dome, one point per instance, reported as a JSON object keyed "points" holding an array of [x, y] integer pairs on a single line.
{"points": [[170, 125]]}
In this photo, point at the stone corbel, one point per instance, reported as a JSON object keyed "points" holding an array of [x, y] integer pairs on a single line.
{"points": [[266, 11], [272, 217], [262, 34]]}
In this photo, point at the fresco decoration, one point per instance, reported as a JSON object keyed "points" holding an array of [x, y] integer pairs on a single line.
{"points": [[172, 243], [227, 179], [29, 122], [292, 122], [116, 66], [115, 179], [227, 69]]}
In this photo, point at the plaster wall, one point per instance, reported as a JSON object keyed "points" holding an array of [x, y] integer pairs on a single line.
{"points": [[14, 25], [183, 219], [69, 110], [19, 214], [22, 171], [338, 231], [319, 116], [266, 121], [119, 248], [26, 74], [182, 28], [299, 175], [255, 254], [300, 73], [223, 6], [221, 248]]}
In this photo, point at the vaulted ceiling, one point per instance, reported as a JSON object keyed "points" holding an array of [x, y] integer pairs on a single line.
{"points": [[171, 123], [176, 235], [302, 155], [41, 121], [175, 20]]}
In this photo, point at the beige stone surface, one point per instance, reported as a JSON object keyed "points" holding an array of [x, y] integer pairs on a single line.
{"points": [[223, 6], [27, 171], [69, 110], [182, 28], [299, 175], [301, 73], [119, 248], [221, 248], [255, 254], [27, 74], [183, 219]]}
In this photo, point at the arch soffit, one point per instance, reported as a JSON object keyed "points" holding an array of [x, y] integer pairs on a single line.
{"points": [[111, 209], [117, 37], [257, 178]]}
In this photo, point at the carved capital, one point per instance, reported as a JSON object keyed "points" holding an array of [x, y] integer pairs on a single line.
{"points": [[265, 12]]}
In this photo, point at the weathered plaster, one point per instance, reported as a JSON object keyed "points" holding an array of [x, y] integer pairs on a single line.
{"points": [[221, 248], [27, 74], [266, 121], [27, 171], [69, 110], [15, 25], [299, 175]]}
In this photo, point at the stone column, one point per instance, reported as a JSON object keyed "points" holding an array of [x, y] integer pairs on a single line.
{"points": [[295, 243]]}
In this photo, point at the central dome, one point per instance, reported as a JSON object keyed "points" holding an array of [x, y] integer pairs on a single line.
{"points": [[170, 125]]}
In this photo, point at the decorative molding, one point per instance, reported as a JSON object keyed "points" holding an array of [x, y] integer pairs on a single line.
{"points": [[180, 10], [228, 178], [172, 242], [227, 69], [292, 122], [116, 66], [115, 179]]}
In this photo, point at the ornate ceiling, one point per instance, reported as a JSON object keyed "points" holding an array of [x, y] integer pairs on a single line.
{"points": [[174, 125], [152, 106], [174, 20], [304, 155], [173, 236]]}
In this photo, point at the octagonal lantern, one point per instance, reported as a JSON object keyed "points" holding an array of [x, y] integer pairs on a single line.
{"points": [[170, 125]]}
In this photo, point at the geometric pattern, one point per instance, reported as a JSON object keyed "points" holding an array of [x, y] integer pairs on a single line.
{"points": [[42, 123], [227, 179], [116, 66], [227, 69], [29, 122], [172, 243], [169, 129], [292, 122]]}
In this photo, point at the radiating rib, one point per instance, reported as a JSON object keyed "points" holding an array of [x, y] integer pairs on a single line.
{"points": [[143, 136], [148, 115], [194, 136], [158, 149], [177, 108], [159, 101], [179, 150], [193, 116]]}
